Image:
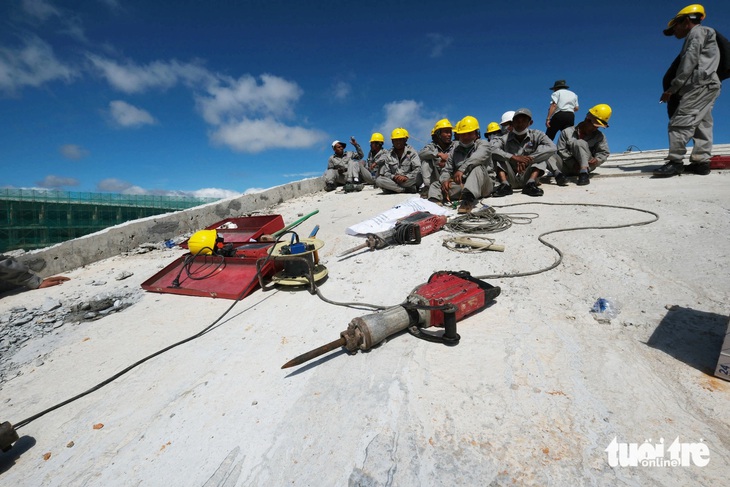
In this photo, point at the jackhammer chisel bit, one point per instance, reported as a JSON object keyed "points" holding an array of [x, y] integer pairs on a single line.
{"points": [[372, 242]]}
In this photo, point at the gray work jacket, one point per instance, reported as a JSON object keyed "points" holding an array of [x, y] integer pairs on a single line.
{"points": [[336, 162], [699, 59], [464, 160], [535, 144], [597, 143], [408, 165]]}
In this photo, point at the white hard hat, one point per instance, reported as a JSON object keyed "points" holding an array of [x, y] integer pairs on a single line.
{"points": [[507, 117]]}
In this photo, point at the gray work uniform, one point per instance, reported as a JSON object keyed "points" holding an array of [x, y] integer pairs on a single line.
{"points": [[429, 155], [698, 85], [14, 273], [374, 162], [574, 152], [409, 165], [476, 164], [346, 168], [535, 144]]}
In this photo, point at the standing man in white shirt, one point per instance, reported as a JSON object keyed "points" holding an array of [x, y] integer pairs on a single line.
{"points": [[563, 105]]}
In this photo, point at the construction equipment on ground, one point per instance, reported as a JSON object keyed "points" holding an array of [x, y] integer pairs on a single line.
{"points": [[446, 298], [407, 230]]}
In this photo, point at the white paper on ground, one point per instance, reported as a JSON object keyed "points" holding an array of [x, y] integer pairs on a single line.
{"points": [[387, 219]]}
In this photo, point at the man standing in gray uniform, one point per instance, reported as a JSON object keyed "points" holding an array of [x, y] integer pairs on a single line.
{"points": [[401, 172], [582, 148], [343, 167], [466, 175], [698, 86], [520, 157]]}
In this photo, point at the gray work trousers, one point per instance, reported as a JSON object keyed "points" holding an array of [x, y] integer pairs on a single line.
{"points": [[478, 183], [580, 155], [519, 180], [387, 184], [430, 171], [355, 171], [693, 120]]}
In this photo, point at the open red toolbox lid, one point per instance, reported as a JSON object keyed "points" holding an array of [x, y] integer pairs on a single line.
{"points": [[241, 230], [212, 276]]}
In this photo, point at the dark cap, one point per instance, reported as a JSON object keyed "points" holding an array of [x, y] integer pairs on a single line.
{"points": [[559, 84]]}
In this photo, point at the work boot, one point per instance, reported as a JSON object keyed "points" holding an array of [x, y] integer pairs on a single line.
{"points": [[560, 179], [466, 206], [670, 169], [503, 189], [436, 200], [531, 189], [412, 189], [330, 187], [699, 168], [583, 179]]}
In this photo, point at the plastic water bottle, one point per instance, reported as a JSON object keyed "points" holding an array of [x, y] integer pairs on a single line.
{"points": [[605, 309]]}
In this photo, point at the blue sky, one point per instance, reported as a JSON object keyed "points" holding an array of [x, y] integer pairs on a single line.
{"points": [[216, 98]]}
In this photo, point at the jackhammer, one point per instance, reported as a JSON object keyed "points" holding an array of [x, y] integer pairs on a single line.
{"points": [[446, 298]]}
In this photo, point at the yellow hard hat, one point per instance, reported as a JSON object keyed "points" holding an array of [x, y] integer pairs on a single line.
{"points": [[467, 124], [444, 123], [695, 10], [203, 242], [602, 113], [377, 137], [399, 133], [493, 127]]}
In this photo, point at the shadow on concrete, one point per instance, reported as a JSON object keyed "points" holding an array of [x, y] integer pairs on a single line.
{"points": [[691, 336], [8, 458]]}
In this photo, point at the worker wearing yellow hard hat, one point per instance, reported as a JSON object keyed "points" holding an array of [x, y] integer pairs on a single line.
{"points": [[691, 86], [466, 175], [434, 154], [401, 171], [494, 130], [373, 162], [582, 148]]}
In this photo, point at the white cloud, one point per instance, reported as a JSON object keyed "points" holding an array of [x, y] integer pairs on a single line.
{"points": [[258, 135], [309, 174], [341, 90], [73, 151], [228, 99], [31, 65], [112, 185], [132, 78], [214, 193], [127, 115], [52, 181], [40, 9], [409, 115], [439, 43]]}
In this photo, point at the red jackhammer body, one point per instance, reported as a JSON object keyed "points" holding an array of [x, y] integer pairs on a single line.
{"points": [[446, 298]]}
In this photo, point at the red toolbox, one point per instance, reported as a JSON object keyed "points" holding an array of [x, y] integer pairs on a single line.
{"points": [[241, 230], [209, 276]]}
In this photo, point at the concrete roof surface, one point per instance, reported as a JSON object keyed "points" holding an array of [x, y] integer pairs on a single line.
{"points": [[534, 393]]}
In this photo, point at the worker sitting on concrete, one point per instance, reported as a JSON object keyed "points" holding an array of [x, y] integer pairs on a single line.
{"points": [[401, 171], [520, 157], [14, 274], [466, 175], [582, 148], [374, 161], [343, 167], [435, 154]]}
